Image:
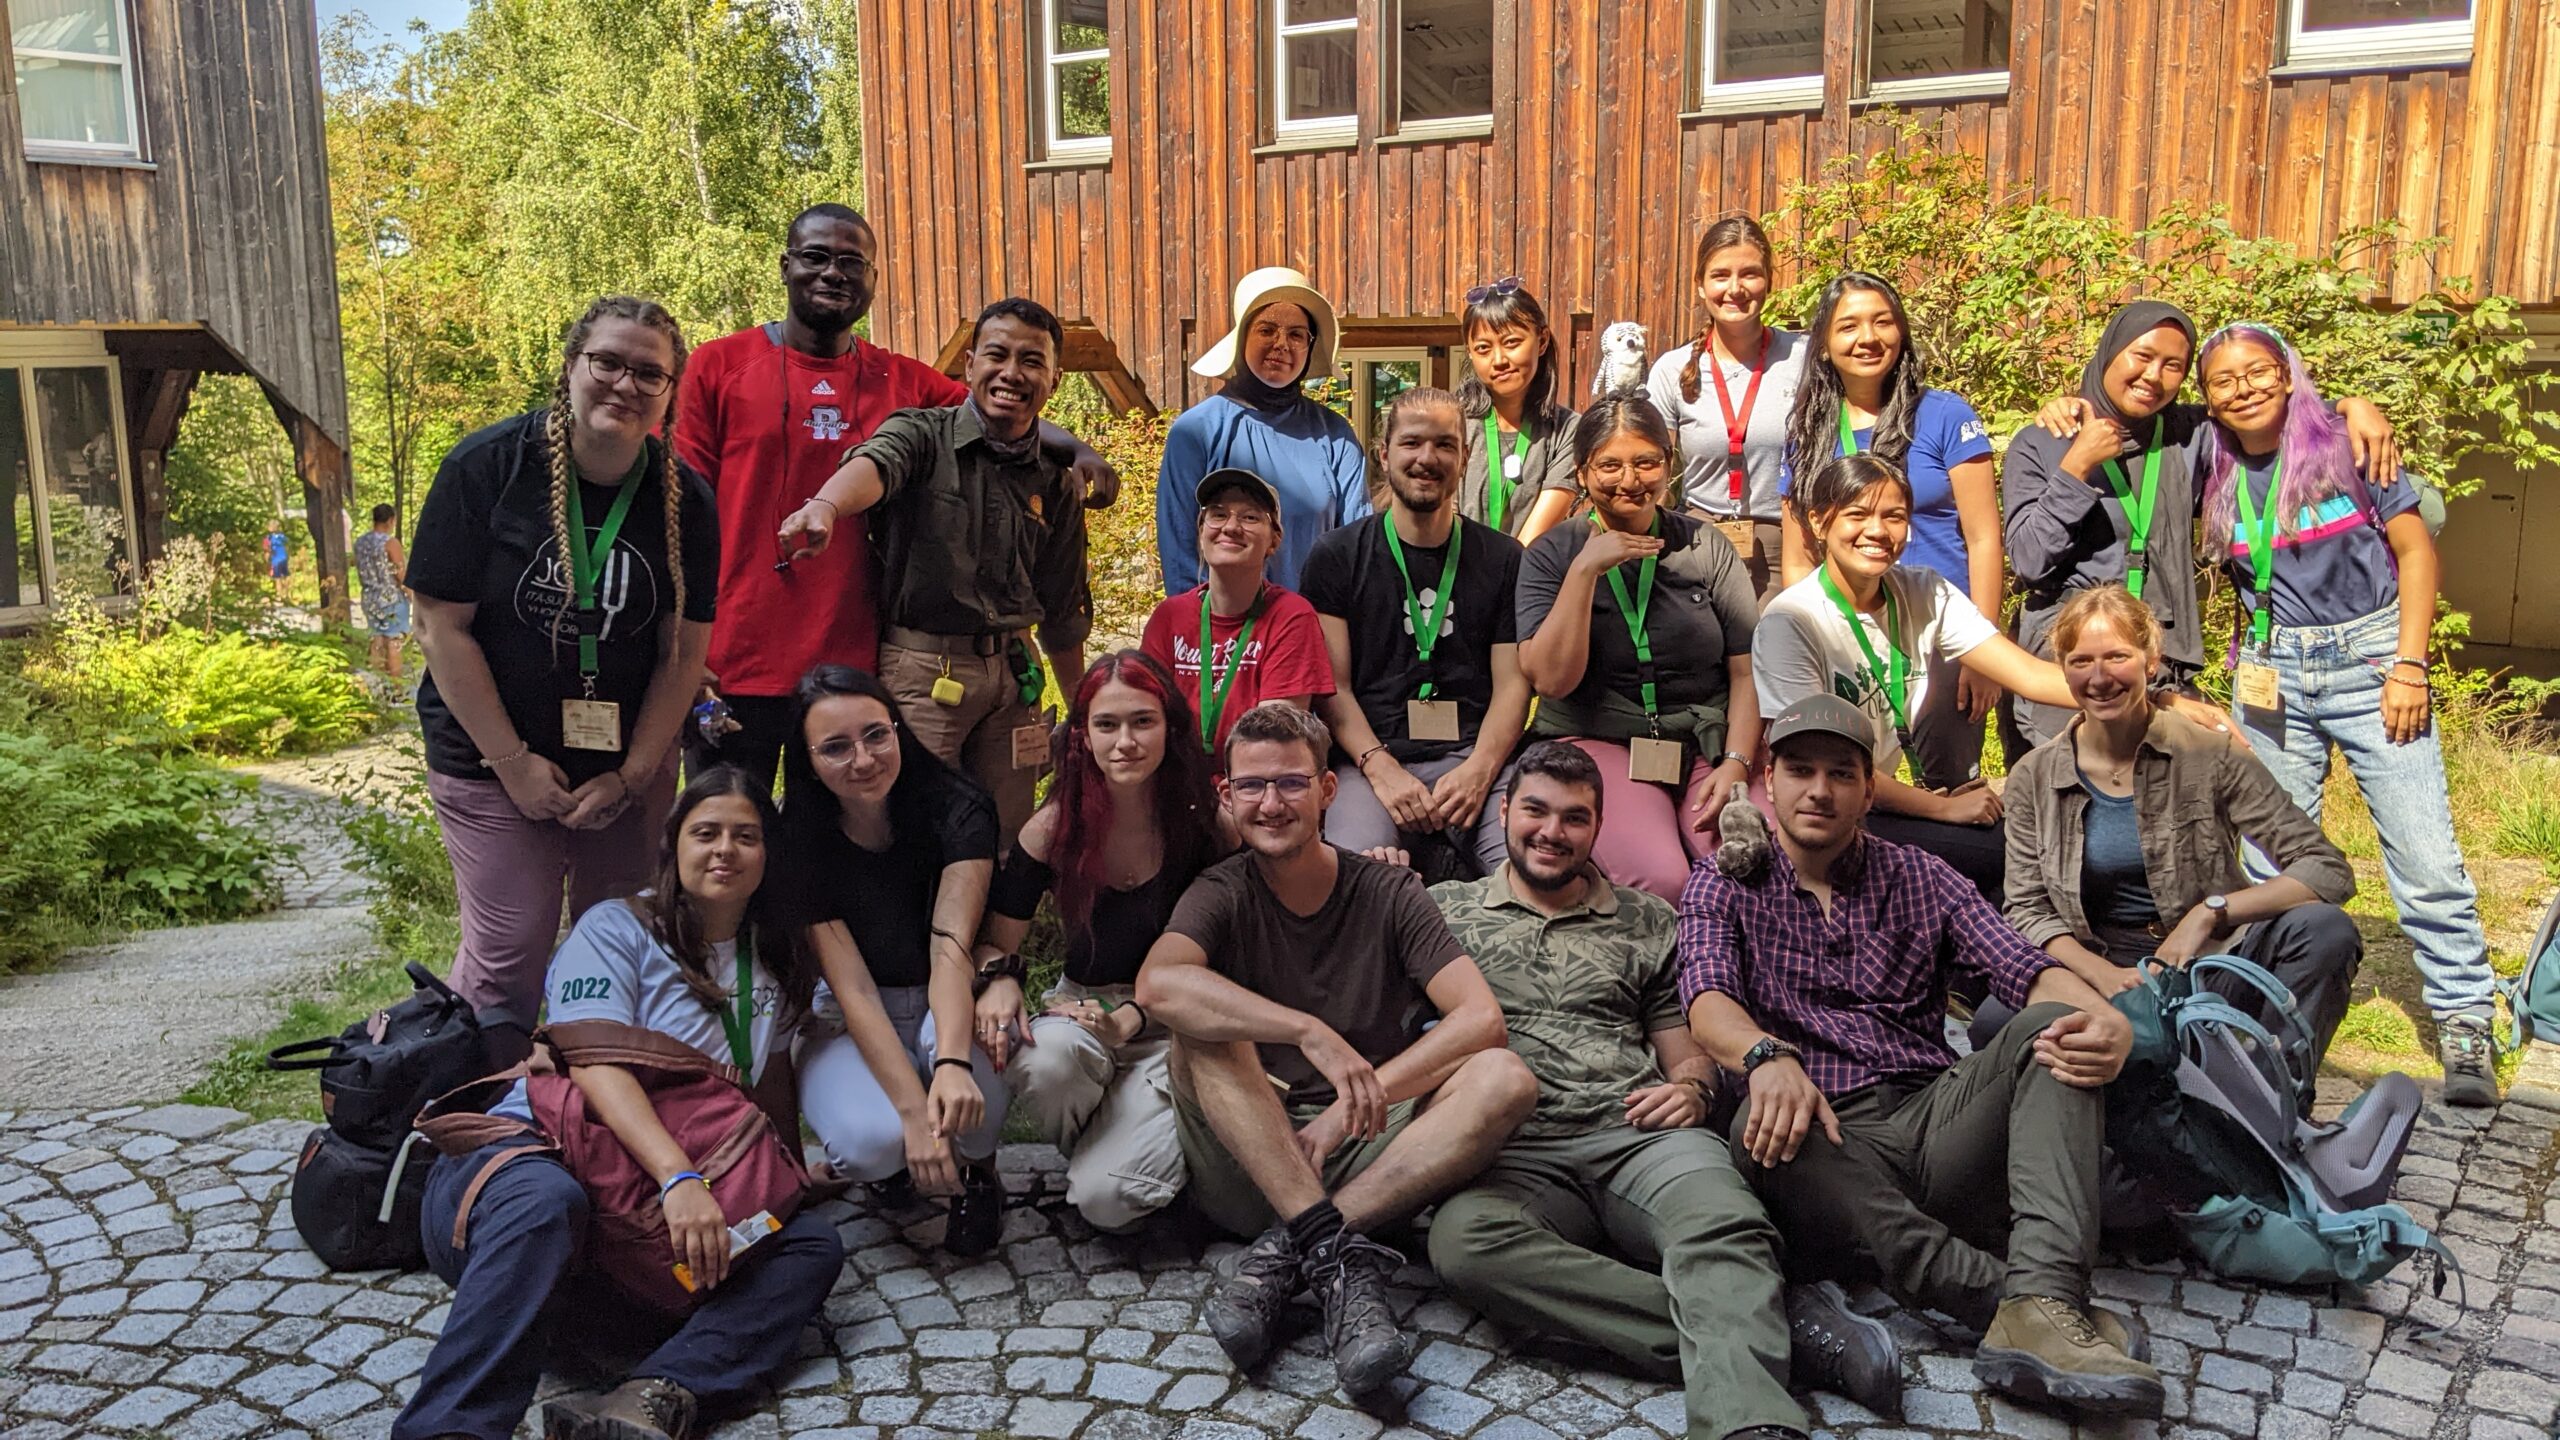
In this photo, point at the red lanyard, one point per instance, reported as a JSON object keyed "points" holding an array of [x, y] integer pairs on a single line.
{"points": [[1735, 425]]}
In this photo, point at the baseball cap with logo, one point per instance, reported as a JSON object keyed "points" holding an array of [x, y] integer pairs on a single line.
{"points": [[1822, 714]]}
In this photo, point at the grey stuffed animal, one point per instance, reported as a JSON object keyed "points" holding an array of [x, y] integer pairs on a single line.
{"points": [[1621, 364], [1744, 850]]}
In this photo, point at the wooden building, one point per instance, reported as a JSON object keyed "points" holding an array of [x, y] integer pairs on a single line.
{"points": [[1125, 160], [164, 212]]}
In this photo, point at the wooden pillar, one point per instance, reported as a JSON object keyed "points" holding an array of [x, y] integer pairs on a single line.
{"points": [[328, 488], [155, 402]]}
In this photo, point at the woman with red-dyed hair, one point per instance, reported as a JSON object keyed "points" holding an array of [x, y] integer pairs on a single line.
{"points": [[1130, 820]]}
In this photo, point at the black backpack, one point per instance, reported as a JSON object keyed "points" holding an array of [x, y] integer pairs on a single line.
{"points": [[361, 1179]]}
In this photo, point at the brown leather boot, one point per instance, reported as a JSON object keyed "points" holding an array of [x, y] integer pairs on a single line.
{"points": [[648, 1409], [2046, 1351]]}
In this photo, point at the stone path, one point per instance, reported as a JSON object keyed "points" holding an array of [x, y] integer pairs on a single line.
{"points": [[150, 1282]]}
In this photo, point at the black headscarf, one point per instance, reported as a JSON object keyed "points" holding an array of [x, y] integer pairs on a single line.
{"points": [[1247, 389], [2128, 324]]}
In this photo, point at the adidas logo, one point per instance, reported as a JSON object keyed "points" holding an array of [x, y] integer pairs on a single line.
{"points": [[822, 388]]}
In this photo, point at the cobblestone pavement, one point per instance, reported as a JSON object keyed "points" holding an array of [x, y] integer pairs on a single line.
{"points": [[150, 1282]]}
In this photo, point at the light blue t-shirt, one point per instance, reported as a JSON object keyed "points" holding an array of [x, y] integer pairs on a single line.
{"points": [[1307, 453], [611, 968], [2334, 566], [1945, 433]]}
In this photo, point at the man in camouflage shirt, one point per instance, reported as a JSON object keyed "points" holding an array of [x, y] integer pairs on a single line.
{"points": [[1612, 1218]]}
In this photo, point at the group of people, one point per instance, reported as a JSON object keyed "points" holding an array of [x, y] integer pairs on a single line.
{"points": [[1658, 1106]]}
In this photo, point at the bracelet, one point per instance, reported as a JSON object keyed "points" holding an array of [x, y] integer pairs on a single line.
{"points": [[1142, 1015], [679, 1178], [941, 1061], [830, 504], [1362, 764], [2417, 660], [2398, 679], [509, 758]]}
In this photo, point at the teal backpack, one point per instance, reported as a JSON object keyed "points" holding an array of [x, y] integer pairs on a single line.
{"points": [[2533, 996], [2208, 1115]]}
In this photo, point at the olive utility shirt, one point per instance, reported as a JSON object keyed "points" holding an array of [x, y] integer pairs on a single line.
{"points": [[1580, 991], [2196, 796], [971, 543]]}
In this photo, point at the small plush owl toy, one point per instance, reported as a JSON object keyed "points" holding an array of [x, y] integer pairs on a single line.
{"points": [[1744, 835], [1621, 358]]}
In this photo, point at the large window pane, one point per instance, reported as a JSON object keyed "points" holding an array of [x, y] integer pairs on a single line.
{"points": [[84, 483], [73, 102], [1082, 25], [1764, 40], [21, 573], [1919, 38], [1084, 100], [2357, 14], [1445, 59], [1322, 72]]}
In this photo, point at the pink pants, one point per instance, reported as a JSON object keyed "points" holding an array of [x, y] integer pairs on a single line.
{"points": [[1645, 840], [509, 874]]}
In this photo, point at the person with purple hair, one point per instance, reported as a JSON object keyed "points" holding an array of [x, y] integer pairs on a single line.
{"points": [[2337, 590]]}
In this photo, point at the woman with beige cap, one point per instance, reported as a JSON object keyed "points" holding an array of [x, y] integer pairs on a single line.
{"points": [[1261, 420]]}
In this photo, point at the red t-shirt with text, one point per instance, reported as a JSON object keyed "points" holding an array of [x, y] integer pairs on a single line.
{"points": [[766, 425], [1287, 656]]}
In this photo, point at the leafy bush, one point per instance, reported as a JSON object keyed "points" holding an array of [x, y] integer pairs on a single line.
{"points": [[1128, 577], [180, 688], [92, 837]]}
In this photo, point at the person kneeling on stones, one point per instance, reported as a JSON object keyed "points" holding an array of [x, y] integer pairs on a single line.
{"points": [[1822, 980], [1612, 1218], [1313, 1104], [674, 960]]}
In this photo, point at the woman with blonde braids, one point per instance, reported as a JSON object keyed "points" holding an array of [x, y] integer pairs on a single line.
{"points": [[564, 568]]}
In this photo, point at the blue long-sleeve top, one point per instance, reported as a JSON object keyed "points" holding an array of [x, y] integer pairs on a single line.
{"points": [[1308, 454]]}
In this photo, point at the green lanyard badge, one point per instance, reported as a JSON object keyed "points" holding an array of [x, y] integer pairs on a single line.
{"points": [[587, 561], [2260, 535], [1634, 612], [1214, 686], [739, 1018], [1848, 433], [1426, 628], [1499, 482], [1893, 677], [2137, 508]]}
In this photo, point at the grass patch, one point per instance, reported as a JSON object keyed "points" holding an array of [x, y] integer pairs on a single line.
{"points": [[241, 1079]]}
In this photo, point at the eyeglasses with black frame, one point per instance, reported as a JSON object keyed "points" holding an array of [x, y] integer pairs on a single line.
{"points": [[819, 258], [1507, 285], [608, 367]]}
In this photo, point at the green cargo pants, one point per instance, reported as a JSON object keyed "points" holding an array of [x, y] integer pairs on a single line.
{"points": [[1644, 1243]]}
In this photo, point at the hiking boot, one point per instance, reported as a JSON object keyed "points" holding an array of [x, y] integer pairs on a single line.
{"points": [[1832, 1347], [977, 1213], [2120, 1329], [898, 1192], [633, 1410], [1349, 1274], [2046, 1351], [1244, 1311], [2468, 1051]]}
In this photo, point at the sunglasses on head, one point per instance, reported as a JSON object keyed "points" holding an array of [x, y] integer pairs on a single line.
{"points": [[1507, 285]]}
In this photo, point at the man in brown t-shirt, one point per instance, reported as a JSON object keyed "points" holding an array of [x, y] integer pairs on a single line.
{"points": [[1312, 1104]]}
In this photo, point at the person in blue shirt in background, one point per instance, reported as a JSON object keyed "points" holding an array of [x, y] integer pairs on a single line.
{"points": [[1262, 420], [1862, 392]]}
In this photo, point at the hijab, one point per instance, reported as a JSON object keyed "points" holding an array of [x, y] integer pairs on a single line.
{"points": [[1249, 390], [2128, 324]]}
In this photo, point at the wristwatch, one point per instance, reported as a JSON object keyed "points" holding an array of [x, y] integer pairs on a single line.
{"points": [[1001, 967], [2219, 907], [1769, 1048]]}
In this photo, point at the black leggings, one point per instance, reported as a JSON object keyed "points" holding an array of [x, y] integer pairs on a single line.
{"points": [[1980, 853]]}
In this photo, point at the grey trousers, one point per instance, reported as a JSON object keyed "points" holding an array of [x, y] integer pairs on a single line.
{"points": [[1110, 1111], [1356, 821]]}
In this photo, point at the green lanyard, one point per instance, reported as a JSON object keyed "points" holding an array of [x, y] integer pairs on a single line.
{"points": [[1498, 483], [1894, 678], [1633, 612], [739, 1019], [2137, 508], [1848, 432], [1213, 686], [1426, 628], [587, 562], [2261, 538]]}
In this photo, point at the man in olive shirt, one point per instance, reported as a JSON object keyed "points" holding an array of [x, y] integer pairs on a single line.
{"points": [[1313, 1105], [980, 537], [1612, 1218]]}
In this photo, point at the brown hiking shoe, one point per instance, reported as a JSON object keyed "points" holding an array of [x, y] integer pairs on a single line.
{"points": [[2046, 1351], [633, 1410], [2120, 1329]]}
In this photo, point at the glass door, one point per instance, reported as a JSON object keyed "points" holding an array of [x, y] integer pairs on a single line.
{"points": [[22, 558], [81, 472]]}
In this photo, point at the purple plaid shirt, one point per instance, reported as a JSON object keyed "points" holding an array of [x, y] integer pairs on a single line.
{"points": [[1861, 991]]}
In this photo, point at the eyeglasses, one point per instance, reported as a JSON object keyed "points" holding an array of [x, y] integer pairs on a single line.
{"points": [[608, 367], [1646, 467], [820, 259], [1251, 788], [1507, 285], [2265, 375], [838, 750]]}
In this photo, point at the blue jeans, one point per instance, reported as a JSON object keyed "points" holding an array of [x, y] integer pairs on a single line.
{"points": [[2331, 679]]}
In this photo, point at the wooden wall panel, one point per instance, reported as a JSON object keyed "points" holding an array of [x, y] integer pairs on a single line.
{"points": [[1593, 183]]}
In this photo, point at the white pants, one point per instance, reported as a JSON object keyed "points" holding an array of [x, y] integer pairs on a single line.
{"points": [[844, 1103], [1110, 1111]]}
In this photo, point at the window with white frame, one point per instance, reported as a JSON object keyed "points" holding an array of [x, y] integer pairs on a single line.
{"points": [[1760, 54], [1315, 58], [74, 61], [2363, 34], [1934, 49], [1444, 64], [1075, 54]]}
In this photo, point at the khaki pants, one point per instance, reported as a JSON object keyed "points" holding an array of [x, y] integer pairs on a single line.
{"points": [[1227, 1196], [1645, 1243], [1110, 1111], [975, 735]]}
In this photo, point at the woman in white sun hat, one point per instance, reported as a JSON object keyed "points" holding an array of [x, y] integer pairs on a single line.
{"points": [[1261, 420]]}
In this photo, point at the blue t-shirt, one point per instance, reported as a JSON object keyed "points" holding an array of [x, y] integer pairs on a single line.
{"points": [[275, 547], [2334, 565], [1306, 452], [2114, 886], [1945, 433]]}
